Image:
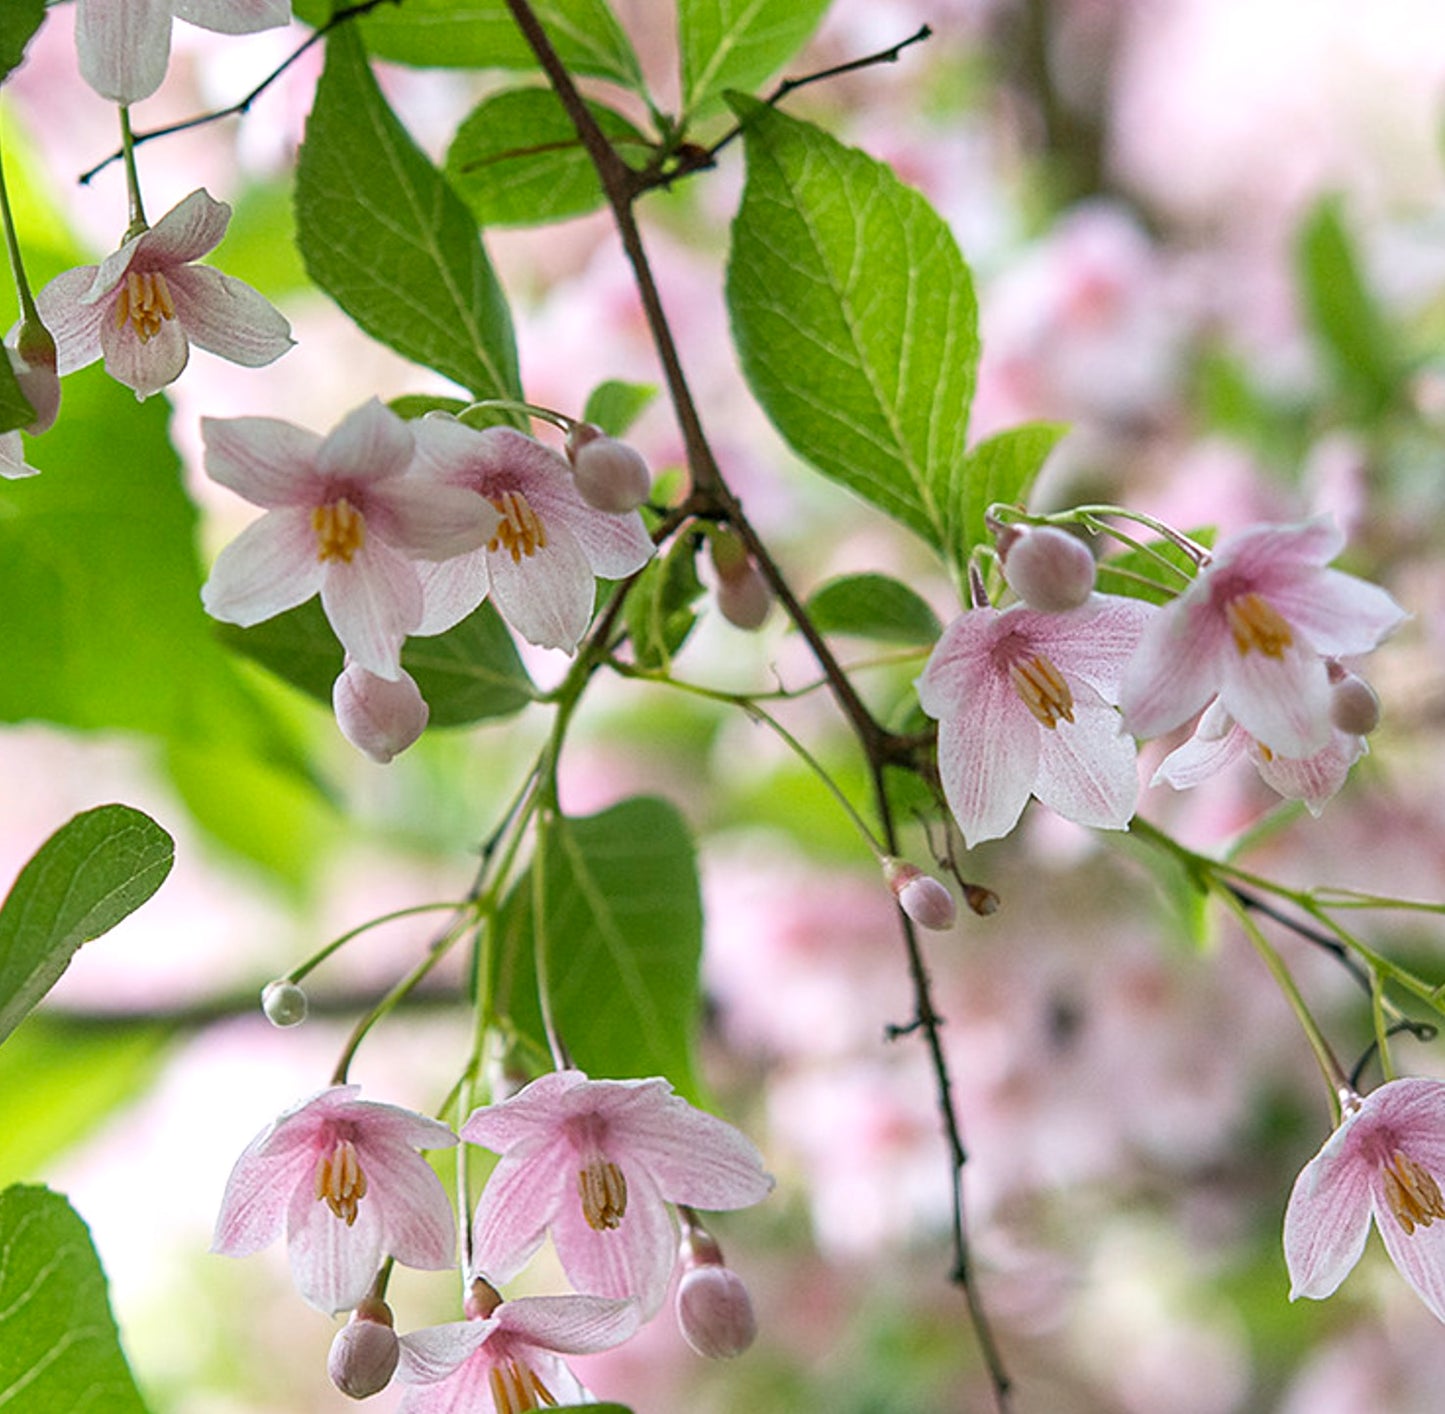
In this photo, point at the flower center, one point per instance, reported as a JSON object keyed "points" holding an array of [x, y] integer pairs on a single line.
{"points": [[521, 531], [515, 1388], [340, 1181], [603, 1191], [145, 301], [1042, 689], [1257, 624], [1412, 1193], [340, 530]]}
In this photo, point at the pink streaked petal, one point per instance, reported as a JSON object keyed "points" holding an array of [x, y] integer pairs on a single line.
{"points": [[332, 1264], [430, 520], [615, 545], [1205, 754], [391, 1124], [270, 567], [190, 229], [508, 460], [270, 463], [547, 596], [524, 1192], [1282, 702], [1328, 1218], [73, 324], [465, 1391], [1338, 613], [1414, 1110], [123, 46], [451, 589], [416, 1215], [435, 1352], [258, 1194], [988, 760], [146, 367], [371, 443], [573, 1325], [1314, 779], [537, 1110], [1174, 671], [450, 451], [1087, 767], [303, 1122], [372, 604], [958, 661], [1271, 555], [226, 317], [233, 16], [1095, 642], [695, 1158], [1420, 1256]]}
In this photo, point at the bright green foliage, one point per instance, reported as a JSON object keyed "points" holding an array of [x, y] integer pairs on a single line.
{"points": [[622, 917], [614, 405], [517, 159], [854, 316], [19, 19], [1001, 469], [659, 610], [739, 43], [873, 606], [385, 236], [59, 1348], [92, 872]]}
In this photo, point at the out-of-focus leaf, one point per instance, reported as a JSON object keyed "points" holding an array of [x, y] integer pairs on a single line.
{"points": [[659, 612], [854, 316], [19, 19], [517, 159], [385, 236], [739, 43], [1139, 575], [59, 1348], [614, 405], [873, 606], [1002, 468], [92, 872], [15, 411], [1183, 898]]}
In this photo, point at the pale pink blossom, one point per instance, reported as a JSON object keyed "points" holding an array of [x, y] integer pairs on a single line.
{"points": [[542, 563], [343, 517], [1025, 706], [344, 1179], [597, 1162], [378, 716], [1386, 1160], [144, 305], [1255, 627]]}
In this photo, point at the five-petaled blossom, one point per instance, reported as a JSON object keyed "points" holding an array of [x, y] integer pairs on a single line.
{"points": [[125, 45], [506, 1358], [1256, 627], [1025, 706], [343, 516], [1386, 1159], [542, 564], [144, 305], [597, 1162], [345, 1180]]}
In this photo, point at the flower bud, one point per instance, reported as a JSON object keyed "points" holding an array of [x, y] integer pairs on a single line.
{"points": [[715, 1312], [1354, 707], [378, 716], [34, 364], [745, 599], [365, 1352], [1049, 569], [926, 901], [609, 474], [283, 1002]]}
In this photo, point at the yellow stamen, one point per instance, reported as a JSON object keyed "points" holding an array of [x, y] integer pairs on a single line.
{"points": [[516, 1388], [340, 530], [1412, 1193], [340, 1182], [1042, 689], [1257, 624], [603, 1191], [145, 303], [521, 531]]}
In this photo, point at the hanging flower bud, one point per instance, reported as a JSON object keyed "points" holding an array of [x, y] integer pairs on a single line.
{"points": [[714, 1310], [610, 475], [743, 595], [1354, 707], [283, 1002], [364, 1354], [926, 901], [377, 716], [982, 901], [1049, 569], [33, 359]]}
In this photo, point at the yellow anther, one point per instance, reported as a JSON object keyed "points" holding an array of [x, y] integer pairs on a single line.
{"points": [[145, 303], [1412, 1193], [1042, 689], [521, 531], [340, 530], [603, 1191], [516, 1388], [1257, 624], [340, 1183]]}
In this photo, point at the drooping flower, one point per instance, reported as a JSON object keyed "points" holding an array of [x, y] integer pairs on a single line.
{"points": [[146, 303], [542, 563], [344, 1179], [343, 517], [714, 1309], [1024, 704], [125, 45], [1387, 1161], [597, 1162], [1255, 627]]}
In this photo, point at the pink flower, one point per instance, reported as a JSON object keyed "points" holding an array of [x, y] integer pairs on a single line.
{"points": [[542, 564], [1024, 703], [1386, 1159], [597, 1162], [376, 715], [344, 1178], [125, 45], [1253, 628], [343, 517], [144, 305], [508, 1361]]}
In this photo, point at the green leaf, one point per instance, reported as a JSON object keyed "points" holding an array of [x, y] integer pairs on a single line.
{"points": [[623, 922], [92, 872], [19, 19], [1138, 574], [873, 606], [385, 236], [614, 405], [1002, 468], [59, 1347], [855, 320], [739, 43], [517, 159], [658, 612], [15, 410]]}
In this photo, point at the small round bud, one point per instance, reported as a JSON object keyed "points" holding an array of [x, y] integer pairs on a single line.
{"points": [[378, 716], [926, 901], [982, 901], [715, 1312], [1354, 707], [745, 599], [365, 1352], [610, 475], [283, 1002], [1049, 569]]}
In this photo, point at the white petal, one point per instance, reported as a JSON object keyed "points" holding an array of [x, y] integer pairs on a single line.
{"points": [[73, 324], [190, 229], [547, 596], [270, 567], [233, 16], [226, 317], [371, 443], [451, 589], [147, 367], [1087, 770], [1328, 1218], [373, 603], [332, 1263], [269, 462], [1282, 702], [123, 46]]}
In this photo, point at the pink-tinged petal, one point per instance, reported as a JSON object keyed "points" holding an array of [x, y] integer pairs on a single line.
{"points": [[960, 659], [13, 465], [539, 1108], [615, 545], [303, 1123], [451, 589], [503, 459], [1414, 1110], [465, 1391], [258, 1194], [226, 317], [391, 1124], [1270, 555], [1174, 671], [448, 450], [547, 596], [123, 46], [75, 326], [1328, 1218], [435, 1352], [1087, 768], [416, 1215], [270, 567], [1314, 779], [1282, 702], [372, 604], [1205, 754], [190, 229], [148, 366], [524, 1192], [1420, 1255], [270, 463], [572, 1325], [694, 1157], [1338, 613], [1095, 642], [371, 443], [988, 761], [430, 520], [332, 1263], [233, 16]]}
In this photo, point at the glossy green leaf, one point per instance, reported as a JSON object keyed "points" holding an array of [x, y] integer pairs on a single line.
{"points": [[614, 405], [1000, 470], [59, 1347], [659, 611], [95, 870], [739, 43], [19, 20], [855, 320], [517, 159], [873, 606], [385, 236]]}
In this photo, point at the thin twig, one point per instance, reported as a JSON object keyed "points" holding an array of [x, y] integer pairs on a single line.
{"points": [[1310, 934]]}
